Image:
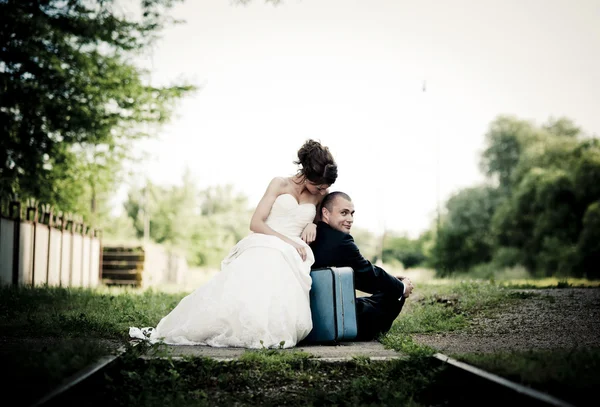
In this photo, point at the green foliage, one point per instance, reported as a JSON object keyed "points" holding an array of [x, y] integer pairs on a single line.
{"points": [[547, 152], [505, 142], [586, 173], [465, 239], [540, 218], [507, 257], [397, 249], [206, 224], [543, 180], [588, 246], [170, 210], [224, 220], [403, 249], [72, 99], [119, 229], [562, 127], [543, 217]]}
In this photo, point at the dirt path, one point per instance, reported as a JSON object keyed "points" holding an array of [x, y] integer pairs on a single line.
{"points": [[542, 319]]}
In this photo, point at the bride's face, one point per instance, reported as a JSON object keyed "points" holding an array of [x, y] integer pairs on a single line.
{"points": [[316, 189]]}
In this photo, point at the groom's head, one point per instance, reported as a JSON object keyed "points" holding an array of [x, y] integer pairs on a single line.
{"points": [[337, 210]]}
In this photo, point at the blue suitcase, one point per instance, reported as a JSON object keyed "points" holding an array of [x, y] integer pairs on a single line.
{"points": [[332, 305]]}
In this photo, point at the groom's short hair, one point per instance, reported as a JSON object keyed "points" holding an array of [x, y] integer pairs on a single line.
{"points": [[331, 197]]}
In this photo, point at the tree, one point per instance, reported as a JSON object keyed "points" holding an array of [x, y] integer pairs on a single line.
{"points": [[464, 238], [549, 178], [586, 173], [224, 220], [539, 220], [206, 224], [505, 140], [562, 127], [172, 211], [403, 249], [588, 246], [71, 98], [511, 142]]}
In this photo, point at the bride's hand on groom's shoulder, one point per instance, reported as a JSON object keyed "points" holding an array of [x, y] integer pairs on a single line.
{"points": [[309, 233]]}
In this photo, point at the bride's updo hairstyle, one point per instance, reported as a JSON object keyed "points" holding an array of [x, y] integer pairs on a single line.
{"points": [[317, 163]]}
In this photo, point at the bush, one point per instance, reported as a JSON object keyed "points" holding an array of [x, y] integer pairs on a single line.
{"points": [[507, 257]]}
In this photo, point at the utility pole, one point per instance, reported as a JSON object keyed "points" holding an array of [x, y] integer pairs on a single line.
{"points": [[381, 239], [380, 247], [146, 215], [437, 178]]}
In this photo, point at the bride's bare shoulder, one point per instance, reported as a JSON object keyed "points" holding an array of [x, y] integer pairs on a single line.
{"points": [[281, 181], [278, 184]]}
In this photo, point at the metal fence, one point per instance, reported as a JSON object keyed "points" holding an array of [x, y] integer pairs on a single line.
{"points": [[41, 248]]}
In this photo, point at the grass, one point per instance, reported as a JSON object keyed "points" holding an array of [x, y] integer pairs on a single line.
{"points": [[74, 312], [550, 282], [446, 308], [442, 307], [57, 331]]}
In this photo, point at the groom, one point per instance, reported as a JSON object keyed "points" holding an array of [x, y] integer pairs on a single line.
{"points": [[334, 247]]}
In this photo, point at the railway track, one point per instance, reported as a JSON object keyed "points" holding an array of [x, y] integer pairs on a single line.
{"points": [[79, 378], [483, 388], [503, 391]]}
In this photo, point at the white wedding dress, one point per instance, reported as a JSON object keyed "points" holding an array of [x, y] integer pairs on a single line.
{"points": [[260, 298]]}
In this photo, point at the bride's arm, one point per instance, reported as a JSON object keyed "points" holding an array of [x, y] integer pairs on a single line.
{"points": [[319, 206], [258, 222], [309, 234]]}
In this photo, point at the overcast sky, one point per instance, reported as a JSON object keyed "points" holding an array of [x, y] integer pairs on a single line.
{"points": [[351, 74]]}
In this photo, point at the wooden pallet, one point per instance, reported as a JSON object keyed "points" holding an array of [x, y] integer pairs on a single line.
{"points": [[123, 265]]}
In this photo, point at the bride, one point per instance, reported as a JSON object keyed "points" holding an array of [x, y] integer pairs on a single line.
{"points": [[261, 296]]}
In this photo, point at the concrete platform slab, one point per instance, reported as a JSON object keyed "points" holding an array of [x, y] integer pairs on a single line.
{"points": [[331, 353]]}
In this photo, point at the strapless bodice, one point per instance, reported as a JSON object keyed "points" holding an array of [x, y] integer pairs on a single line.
{"points": [[288, 217]]}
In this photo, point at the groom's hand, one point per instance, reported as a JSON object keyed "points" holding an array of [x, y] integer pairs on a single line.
{"points": [[309, 233], [408, 286]]}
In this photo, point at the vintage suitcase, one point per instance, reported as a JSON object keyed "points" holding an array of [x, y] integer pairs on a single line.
{"points": [[332, 299]]}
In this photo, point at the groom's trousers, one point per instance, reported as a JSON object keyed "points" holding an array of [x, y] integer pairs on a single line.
{"points": [[376, 313]]}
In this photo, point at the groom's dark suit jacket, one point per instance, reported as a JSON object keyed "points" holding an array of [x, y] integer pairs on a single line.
{"points": [[333, 248]]}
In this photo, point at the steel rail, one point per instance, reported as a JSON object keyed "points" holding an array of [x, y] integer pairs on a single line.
{"points": [[519, 388], [80, 376]]}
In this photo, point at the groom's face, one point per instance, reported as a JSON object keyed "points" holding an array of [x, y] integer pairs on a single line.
{"points": [[341, 215]]}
